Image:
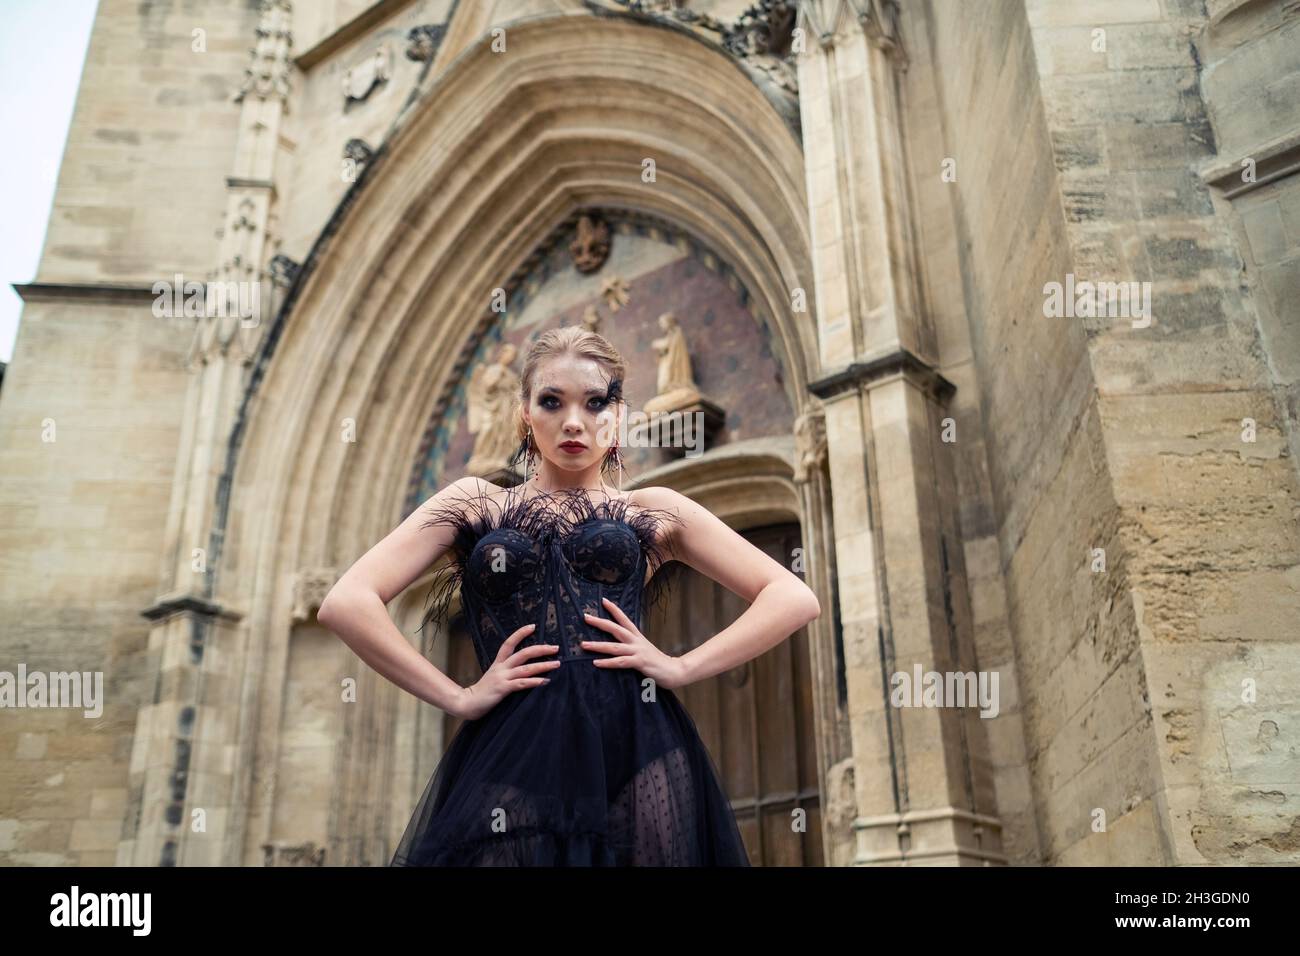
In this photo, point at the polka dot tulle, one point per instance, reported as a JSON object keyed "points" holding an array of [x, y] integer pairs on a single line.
{"points": [[597, 768]]}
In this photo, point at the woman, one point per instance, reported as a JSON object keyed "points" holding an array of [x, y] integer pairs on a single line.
{"points": [[574, 750]]}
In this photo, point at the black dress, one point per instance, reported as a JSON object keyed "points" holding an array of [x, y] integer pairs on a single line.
{"points": [[599, 767]]}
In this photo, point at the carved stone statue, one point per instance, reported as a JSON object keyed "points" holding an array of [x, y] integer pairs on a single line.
{"points": [[422, 41], [360, 81], [493, 390], [809, 443], [591, 247], [676, 383], [310, 587], [615, 292]]}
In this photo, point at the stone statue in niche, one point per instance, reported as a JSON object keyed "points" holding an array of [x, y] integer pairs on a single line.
{"points": [[676, 383], [493, 390], [679, 417]]}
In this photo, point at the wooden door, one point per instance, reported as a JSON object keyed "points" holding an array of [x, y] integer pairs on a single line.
{"points": [[756, 719]]}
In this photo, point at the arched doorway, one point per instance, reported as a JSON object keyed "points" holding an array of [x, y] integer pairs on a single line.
{"points": [[395, 300]]}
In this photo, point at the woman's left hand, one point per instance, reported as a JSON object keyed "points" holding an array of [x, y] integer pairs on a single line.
{"points": [[633, 649]]}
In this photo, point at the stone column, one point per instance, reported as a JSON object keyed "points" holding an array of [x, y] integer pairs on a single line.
{"points": [[921, 778], [181, 770]]}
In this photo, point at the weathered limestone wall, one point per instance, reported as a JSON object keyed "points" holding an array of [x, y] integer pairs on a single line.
{"points": [[89, 425], [142, 185], [938, 207], [321, 119], [319, 19], [140, 196], [1077, 680], [1208, 526], [1250, 53], [1130, 439]]}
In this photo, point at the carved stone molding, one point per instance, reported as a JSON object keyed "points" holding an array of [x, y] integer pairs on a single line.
{"points": [[84, 291], [301, 854], [195, 605], [766, 28], [867, 374], [309, 590], [827, 20], [359, 151], [760, 38], [422, 42], [1266, 163], [267, 73], [283, 270]]}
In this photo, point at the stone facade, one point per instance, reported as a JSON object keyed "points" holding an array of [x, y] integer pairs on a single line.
{"points": [[857, 209]]}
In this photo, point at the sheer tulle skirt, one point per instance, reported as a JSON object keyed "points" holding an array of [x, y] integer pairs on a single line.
{"points": [[580, 772]]}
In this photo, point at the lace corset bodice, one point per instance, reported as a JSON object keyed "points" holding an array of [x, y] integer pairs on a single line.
{"points": [[545, 559]]}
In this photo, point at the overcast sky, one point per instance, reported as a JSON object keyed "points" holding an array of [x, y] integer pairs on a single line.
{"points": [[42, 49]]}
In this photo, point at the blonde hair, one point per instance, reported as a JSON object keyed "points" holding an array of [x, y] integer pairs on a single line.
{"points": [[566, 340]]}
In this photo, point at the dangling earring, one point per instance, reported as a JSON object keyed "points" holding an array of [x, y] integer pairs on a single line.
{"points": [[531, 462], [616, 458]]}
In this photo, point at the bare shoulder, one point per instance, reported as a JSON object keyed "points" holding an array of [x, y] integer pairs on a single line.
{"points": [[456, 497], [473, 485], [657, 497], [668, 501]]}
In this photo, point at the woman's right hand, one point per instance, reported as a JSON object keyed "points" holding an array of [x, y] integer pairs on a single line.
{"points": [[508, 673]]}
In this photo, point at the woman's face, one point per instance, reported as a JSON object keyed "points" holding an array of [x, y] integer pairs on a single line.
{"points": [[571, 406]]}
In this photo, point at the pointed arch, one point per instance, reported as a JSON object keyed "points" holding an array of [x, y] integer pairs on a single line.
{"points": [[483, 163]]}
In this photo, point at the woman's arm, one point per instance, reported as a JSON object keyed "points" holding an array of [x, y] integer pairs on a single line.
{"points": [[780, 603], [356, 607]]}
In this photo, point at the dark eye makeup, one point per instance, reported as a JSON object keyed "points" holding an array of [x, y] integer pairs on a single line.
{"points": [[599, 401]]}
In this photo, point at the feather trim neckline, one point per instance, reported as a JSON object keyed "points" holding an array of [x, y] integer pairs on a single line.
{"points": [[542, 516]]}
